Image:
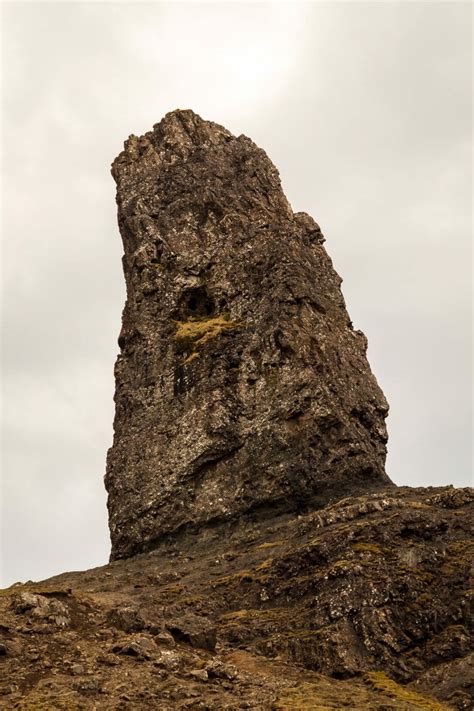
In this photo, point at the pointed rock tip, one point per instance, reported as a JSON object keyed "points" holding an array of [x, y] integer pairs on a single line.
{"points": [[186, 124], [180, 115]]}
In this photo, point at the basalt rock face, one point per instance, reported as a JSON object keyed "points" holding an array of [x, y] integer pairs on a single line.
{"points": [[241, 387]]}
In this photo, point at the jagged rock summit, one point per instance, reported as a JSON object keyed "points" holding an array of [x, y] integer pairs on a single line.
{"points": [[241, 388]]}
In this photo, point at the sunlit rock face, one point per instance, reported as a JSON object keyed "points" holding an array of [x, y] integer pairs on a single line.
{"points": [[241, 386]]}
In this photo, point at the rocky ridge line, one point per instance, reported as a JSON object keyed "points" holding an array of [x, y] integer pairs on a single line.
{"points": [[364, 605]]}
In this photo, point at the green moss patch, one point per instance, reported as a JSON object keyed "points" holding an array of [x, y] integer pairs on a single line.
{"points": [[407, 698]]}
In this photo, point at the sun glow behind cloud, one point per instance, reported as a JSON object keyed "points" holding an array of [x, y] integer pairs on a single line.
{"points": [[230, 55]]}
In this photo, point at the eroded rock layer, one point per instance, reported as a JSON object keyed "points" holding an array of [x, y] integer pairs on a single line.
{"points": [[241, 385], [362, 605]]}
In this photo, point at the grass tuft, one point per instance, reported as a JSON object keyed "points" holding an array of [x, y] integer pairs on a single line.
{"points": [[191, 335]]}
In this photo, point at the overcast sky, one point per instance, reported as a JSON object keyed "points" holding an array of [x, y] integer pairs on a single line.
{"points": [[365, 110]]}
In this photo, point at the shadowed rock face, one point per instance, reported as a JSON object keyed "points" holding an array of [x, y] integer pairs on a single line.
{"points": [[241, 386]]}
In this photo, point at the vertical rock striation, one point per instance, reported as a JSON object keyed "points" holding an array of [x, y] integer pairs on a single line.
{"points": [[241, 386]]}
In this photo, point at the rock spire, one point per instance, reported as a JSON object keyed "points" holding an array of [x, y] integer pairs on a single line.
{"points": [[242, 388]]}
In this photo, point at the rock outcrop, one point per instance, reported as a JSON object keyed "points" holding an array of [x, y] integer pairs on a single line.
{"points": [[241, 387], [362, 605], [262, 558]]}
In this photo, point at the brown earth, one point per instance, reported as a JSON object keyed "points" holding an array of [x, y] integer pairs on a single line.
{"points": [[361, 605]]}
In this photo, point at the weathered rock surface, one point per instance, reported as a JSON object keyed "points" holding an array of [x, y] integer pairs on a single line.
{"points": [[241, 385], [362, 605], [262, 559]]}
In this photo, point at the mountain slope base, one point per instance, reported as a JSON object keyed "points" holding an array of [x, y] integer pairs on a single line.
{"points": [[362, 605]]}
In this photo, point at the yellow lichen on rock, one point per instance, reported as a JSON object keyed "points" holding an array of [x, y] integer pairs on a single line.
{"points": [[196, 332]]}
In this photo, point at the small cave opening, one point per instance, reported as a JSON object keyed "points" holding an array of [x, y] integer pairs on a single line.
{"points": [[197, 303]]}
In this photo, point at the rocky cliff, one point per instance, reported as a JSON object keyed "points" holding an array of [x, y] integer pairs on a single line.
{"points": [[261, 558], [241, 386]]}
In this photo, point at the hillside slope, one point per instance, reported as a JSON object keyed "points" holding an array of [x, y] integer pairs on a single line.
{"points": [[360, 605]]}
